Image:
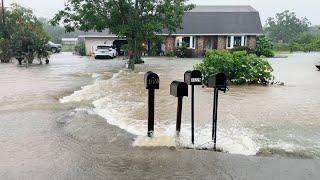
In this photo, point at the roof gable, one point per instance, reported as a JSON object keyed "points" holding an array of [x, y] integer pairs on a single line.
{"points": [[220, 20]]}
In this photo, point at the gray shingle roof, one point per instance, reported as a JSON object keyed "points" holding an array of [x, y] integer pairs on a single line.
{"points": [[223, 9], [220, 20], [212, 20]]}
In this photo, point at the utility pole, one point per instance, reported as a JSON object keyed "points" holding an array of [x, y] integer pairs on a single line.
{"points": [[3, 18]]}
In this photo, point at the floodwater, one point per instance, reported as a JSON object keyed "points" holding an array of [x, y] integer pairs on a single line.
{"points": [[252, 119], [53, 119]]}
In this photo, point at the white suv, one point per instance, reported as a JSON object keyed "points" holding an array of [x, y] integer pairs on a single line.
{"points": [[104, 51]]}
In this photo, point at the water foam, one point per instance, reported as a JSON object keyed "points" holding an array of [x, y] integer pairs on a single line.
{"points": [[109, 105]]}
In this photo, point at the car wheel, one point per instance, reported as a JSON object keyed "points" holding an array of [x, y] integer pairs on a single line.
{"points": [[54, 50]]}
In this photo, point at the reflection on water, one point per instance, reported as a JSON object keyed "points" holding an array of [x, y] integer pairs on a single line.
{"points": [[251, 118]]}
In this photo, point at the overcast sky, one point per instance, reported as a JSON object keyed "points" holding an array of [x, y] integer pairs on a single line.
{"points": [[267, 8]]}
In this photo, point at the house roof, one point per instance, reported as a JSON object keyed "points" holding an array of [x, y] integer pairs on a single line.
{"points": [[212, 20], [221, 20], [223, 9]]}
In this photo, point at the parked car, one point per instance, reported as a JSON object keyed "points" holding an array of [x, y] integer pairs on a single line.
{"points": [[54, 48], [104, 51]]}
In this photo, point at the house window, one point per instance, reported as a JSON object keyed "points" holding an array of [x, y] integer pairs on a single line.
{"points": [[236, 41], [186, 41], [190, 41]]}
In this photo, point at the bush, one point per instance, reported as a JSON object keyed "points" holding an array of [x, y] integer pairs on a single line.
{"points": [[80, 48], [281, 47], [243, 48], [169, 54], [184, 52], [240, 67], [26, 35], [5, 52], [264, 47]]}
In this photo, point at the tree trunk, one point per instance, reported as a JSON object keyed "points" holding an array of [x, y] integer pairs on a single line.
{"points": [[134, 53]]}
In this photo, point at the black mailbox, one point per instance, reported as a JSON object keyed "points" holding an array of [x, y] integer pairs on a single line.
{"points": [[218, 81], [179, 89], [151, 80], [193, 77]]}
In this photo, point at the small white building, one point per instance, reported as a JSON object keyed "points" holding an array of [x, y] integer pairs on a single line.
{"points": [[69, 41]]}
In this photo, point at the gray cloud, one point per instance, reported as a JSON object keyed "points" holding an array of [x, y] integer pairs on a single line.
{"points": [[267, 8]]}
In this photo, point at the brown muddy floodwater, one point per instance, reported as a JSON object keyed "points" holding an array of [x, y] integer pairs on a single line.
{"points": [[252, 119], [50, 127]]}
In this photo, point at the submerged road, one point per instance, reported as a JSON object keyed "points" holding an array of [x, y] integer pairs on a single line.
{"points": [[41, 138]]}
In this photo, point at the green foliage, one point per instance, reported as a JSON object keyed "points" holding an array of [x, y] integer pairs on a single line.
{"points": [[169, 54], [25, 34], [68, 48], [5, 51], [240, 67], [243, 48], [56, 33], [281, 47], [80, 48], [138, 20], [285, 27], [305, 42], [264, 47], [184, 51]]}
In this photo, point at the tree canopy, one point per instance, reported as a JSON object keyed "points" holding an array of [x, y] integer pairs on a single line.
{"points": [[285, 27], [24, 35], [56, 33], [137, 20]]}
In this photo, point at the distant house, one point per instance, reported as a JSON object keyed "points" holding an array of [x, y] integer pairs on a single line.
{"points": [[203, 28], [69, 41]]}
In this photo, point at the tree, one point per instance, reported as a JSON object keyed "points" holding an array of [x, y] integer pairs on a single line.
{"points": [[137, 20], [25, 35], [285, 26], [56, 33]]}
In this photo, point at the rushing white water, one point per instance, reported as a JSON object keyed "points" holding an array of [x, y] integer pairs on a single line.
{"points": [[111, 105], [251, 118]]}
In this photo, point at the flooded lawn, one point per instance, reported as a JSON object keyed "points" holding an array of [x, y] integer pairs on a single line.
{"points": [[252, 119], [50, 126]]}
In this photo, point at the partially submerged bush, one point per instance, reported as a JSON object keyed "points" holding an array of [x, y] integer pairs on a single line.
{"points": [[184, 52], [5, 51], [240, 67], [80, 48], [264, 47]]}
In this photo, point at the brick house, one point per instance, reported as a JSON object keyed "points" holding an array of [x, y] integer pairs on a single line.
{"points": [[217, 27], [206, 27]]}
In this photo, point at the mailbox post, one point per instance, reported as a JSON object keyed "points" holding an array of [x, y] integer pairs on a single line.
{"points": [[192, 78], [151, 81], [219, 83], [179, 89]]}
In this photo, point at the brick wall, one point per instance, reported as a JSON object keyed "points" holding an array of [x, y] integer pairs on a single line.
{"points": [[169, 44], [222, 40], [200, 45], [252, 42]]}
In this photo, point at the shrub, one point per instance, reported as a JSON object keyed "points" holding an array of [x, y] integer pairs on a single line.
{"points": [[80, 48], [169, 54], [5, 51], [184, 52], [281, 47], [240, 67], [243, 48], [264, 47]]}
